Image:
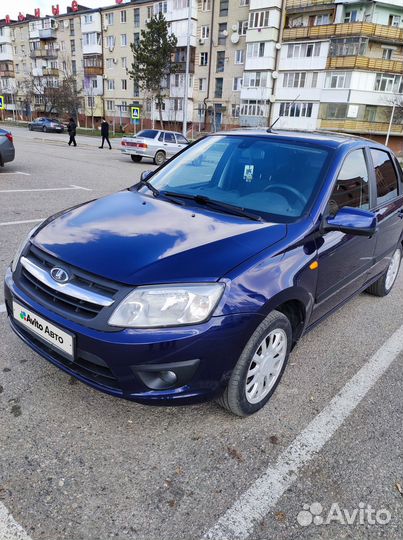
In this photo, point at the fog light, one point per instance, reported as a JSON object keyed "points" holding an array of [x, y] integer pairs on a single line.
{"points": [[169, 377]]}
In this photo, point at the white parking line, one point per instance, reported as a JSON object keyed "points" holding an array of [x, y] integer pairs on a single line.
{"points": [[239, 520], [2, 224], [71, 187], [15, 172], [9, 528], [2, 310]]}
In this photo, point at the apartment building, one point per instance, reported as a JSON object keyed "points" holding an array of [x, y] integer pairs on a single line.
{"points": [[315, 64], [341, 66]]}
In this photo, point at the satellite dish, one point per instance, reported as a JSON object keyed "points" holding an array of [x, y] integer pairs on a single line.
{"points": [[278, 46], [66, 23], [234, 27], [225, 33], [274, 74], [234, 38]]}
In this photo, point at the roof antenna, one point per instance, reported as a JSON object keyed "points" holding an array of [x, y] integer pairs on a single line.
{"points": [[269, 129]]}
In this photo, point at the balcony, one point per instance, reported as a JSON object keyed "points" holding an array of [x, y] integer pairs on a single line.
{"points": [[47, 33], [43, 53], [378, 32], [361, 126], [7, 73], [92, 71], [365, 63], [182, 67], [302, 4], [50, 72]]}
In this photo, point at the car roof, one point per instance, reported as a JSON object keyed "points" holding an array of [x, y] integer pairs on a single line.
{"points": [[326, 138]]}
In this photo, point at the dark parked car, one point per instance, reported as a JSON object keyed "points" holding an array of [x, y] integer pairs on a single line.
{"points": [[7, 151], [46, 124], [198, 281]]}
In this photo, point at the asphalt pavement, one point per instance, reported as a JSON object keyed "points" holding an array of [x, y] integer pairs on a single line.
{"points": [[77, 464]]}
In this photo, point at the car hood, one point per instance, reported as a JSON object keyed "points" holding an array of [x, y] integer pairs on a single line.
{"points": [[135, 239]]}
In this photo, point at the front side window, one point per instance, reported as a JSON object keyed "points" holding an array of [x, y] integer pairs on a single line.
{"points": [[385, 174], [278, 180], [352, 184]]}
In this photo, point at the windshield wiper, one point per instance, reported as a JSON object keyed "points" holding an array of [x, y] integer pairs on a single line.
{"points": [[145, 182], [206, 201]]}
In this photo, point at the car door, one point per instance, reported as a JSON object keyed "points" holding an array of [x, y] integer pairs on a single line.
{"points": [[170, 146], [345, 259], [36, 123], [388, 207]]}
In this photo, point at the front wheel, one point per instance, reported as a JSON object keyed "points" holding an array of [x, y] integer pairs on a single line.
{"points": [[385, 283], [260, 367], [44, 129], [159, 157], [136, 159], [30, 127]]}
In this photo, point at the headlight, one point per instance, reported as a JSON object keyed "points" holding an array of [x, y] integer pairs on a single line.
{"points": [[167, 305], [21, 247]]}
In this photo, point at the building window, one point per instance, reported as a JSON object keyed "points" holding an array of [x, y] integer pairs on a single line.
{"points": [[303, 50], [387, 53], [109, 63], [395, 20], [111, 84], [71, 27], [136, 38], [110, 42], [110, 105], [222, 33], [220, 61], [314, 80], [237, 84], [109, 18], [91, 102], [204, 59], [338, 79], [322, 19], [223, 8], [235, 111], [124, 84], [243, 3], [242, 27], [72, 46], [136, 12], [206, 5], [336, 111], [160, 7], [351, 16], [123, 62], [88, 19], [385, 82], [202, 84], [348, 46], [123, 16], [259, 19], [123, 39], [294, 80], [252, 107], [255, 50], [239, 56], [254, 79], [74, 67], [296, 109], [204, 32], [136, 90], [219, 83]]}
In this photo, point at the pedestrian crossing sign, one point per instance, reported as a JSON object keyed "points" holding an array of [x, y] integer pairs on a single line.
{"points": [[135, 113], [2, 103]]}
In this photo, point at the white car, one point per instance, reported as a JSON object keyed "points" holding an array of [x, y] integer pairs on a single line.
{"points": [[158, 145]]}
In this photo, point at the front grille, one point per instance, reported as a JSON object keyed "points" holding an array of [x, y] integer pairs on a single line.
{"points": [[54, 297], [93, 369]]}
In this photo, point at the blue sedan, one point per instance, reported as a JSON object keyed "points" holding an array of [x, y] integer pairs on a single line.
{"points": [[46, 125], [197, 282]]}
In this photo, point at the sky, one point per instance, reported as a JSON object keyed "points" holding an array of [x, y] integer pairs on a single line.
{"points": [[13, 7]]}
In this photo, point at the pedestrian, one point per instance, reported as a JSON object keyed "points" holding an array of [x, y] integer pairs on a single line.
{"points": [[105, 133], [71, 128]]}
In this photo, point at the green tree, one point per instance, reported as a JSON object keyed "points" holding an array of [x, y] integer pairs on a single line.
{"points": [[152, 59]]}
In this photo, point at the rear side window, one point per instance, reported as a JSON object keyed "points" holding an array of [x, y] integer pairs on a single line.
{"points": [[181, 139], [386, 179], [170, 138], [352, 184], [147, 133]]}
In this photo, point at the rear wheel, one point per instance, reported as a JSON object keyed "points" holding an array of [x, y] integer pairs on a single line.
{"points": [[385, 283], [260, 367], [30, 127], [136, 159], [44, 129], [159, 157]]}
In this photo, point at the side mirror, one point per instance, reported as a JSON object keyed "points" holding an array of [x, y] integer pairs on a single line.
{"points": [[146, 174], [351, 221]]}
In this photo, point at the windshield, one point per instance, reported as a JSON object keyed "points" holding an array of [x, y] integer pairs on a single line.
{"points": [[275, 179]]}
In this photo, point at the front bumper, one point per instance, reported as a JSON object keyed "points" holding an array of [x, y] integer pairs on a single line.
{"points": [[128, 363]]}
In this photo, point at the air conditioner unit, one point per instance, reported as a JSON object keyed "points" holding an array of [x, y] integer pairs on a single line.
{"points": [[201, 41], [115, 60], [104, 77]]}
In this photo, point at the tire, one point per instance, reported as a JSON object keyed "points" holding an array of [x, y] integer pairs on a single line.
{"points": [[136, 159], [235, 397], [159, 157], [44, 129], [385, 283], [30, 128]]}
